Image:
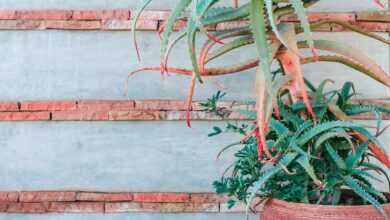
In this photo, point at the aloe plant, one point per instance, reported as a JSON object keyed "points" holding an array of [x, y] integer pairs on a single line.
{"points": [[317, 160], [275, 42]]}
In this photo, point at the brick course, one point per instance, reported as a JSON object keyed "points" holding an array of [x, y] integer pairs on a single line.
{"points": [[150, 20], [130, 110]]}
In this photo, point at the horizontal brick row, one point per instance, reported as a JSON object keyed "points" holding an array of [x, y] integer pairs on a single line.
{"points": [[120, 19], [112, 202], [130, 110]]}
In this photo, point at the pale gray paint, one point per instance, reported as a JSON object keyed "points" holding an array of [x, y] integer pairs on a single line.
{"points": [[110, 156], [94, 65]]}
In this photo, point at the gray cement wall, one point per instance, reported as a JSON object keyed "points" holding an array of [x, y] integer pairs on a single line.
{"points": [[133, 156]]}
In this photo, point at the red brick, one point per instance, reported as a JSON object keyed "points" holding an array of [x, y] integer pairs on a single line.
{"points": [[194, 115], [180, 207], [147, 25], [27, 208], [317, 16], [104, 197], [237, 208], [145, 115], [80, 116], [9, 196], [48, 105], [47, 196], [207, 198], [160, 105], [179, 25], [231, 25], [382, 16], [9, 106], [160, 207], [7, 14], [77, 207], [157, 15], [73, 25], [368, 26], [3, 206], [118, 25], [106, 105], [374, 26], [44, 14], [123, 207], [119, 14], [161, 197], [371, 116], [20, 25], [24, 116]]}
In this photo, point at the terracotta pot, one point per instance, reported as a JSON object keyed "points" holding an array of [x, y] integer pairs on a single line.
{"points": [[275, 209]]}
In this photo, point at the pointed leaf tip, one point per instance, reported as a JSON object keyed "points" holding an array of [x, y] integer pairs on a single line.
{"points": [[378, 2]]}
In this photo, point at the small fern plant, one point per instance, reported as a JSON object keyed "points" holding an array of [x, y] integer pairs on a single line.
{"points": [[316, 160]]}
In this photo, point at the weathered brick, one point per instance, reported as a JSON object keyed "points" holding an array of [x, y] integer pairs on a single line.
{"points": [[44, 14], [382, 16], [180, 207], [207, 198], [76, 207], [367, 26], [231, 25], [27, 208], [80, 116], [374, 26], [47, 105], [161, 207], [118, 25], [160, 105], [7, 14], [9, 196], [73, 25], [322, 28], [194, 115], [117, 14], [154, 15], [47, 196], [257, 205], [371, 116], [237, 208], [123, 207], [20, 25], [24, 116], [3, 206], [147, 25], [106, 105], [145, 115], [161, 197], [104, 197], [317, 16], [9, 106]]}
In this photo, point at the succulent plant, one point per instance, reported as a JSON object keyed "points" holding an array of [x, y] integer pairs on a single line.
{"points": [[314, 123]]}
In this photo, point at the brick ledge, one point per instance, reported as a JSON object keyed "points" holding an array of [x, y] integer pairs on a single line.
{"points": [[129, 110], [37, 202], [119, 20]]}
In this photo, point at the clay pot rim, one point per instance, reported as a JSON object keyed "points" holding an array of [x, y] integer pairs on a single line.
{"points": [[278, 202]]}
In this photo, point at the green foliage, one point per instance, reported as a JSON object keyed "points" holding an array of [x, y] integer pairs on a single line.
{"points": [[317, 159], [316, 149]]}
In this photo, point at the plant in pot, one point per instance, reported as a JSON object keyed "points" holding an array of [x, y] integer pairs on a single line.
{"points": [[302, 147]]}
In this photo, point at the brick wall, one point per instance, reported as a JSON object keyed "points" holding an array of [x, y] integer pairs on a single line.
{"points": [[74, 143]]}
